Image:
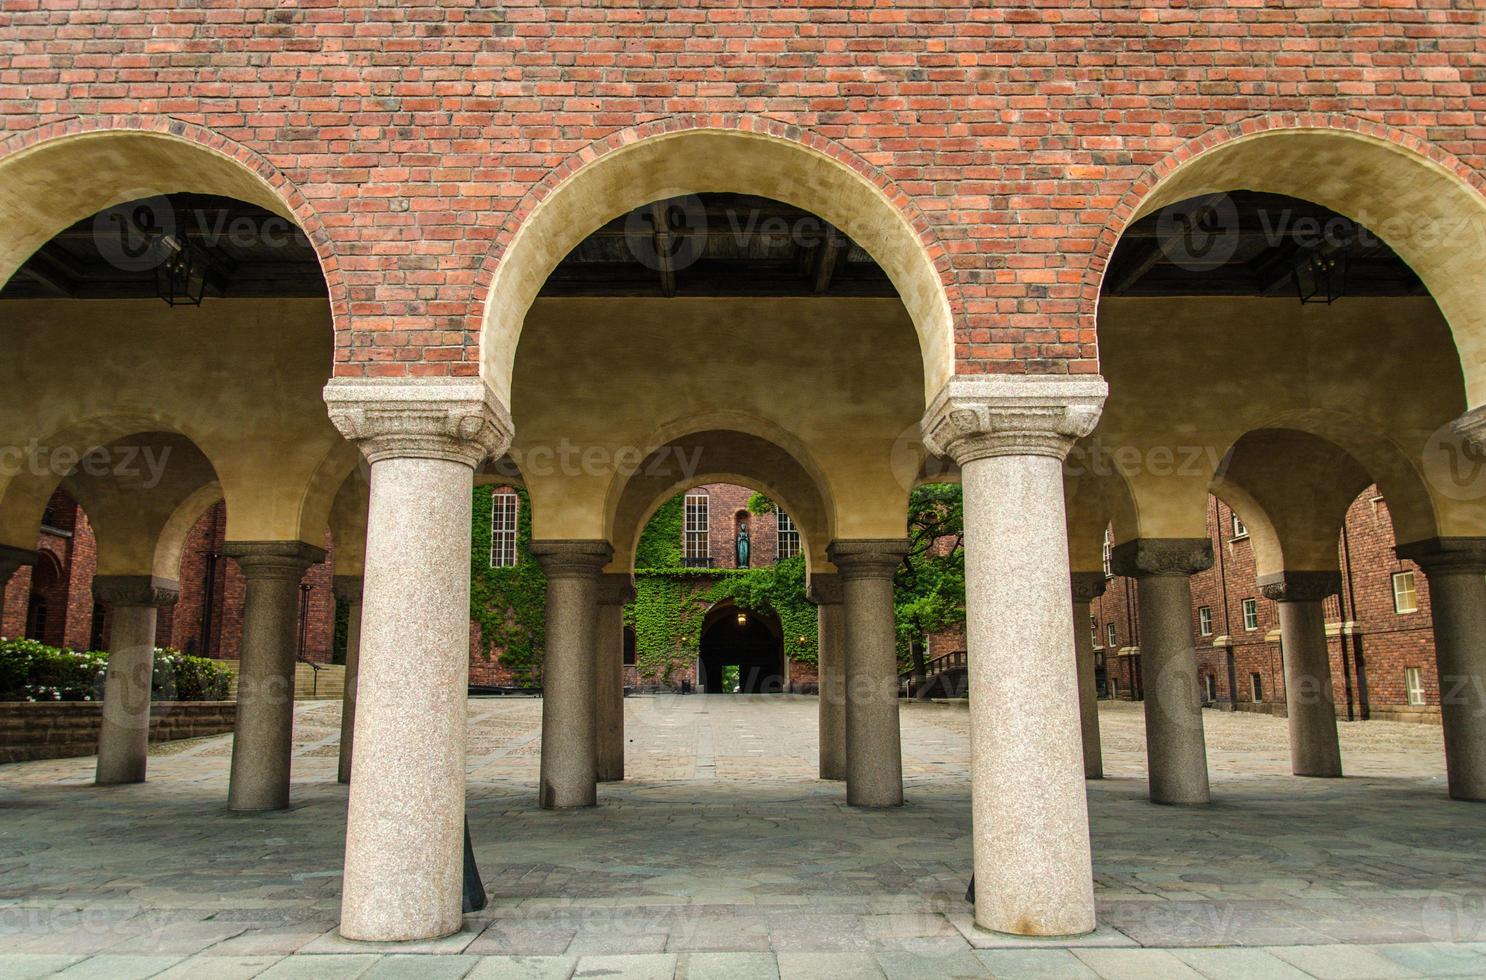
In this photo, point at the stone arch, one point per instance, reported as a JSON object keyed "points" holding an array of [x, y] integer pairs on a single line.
{"points": [[137, 504], [759, 641], [1376, 458], [56, 175], [1427, 205], [39, 465], [1297, 486], [171, 546], [347, 521], [627, 538], [729, 456], [694, 155], [1095, 496]]}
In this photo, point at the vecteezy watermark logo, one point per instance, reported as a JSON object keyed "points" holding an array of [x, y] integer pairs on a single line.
{"points": [[566, 458], [1200, 233], [912, 461], [669, 234], [135, 236], [143, 463], [1454, 465]]}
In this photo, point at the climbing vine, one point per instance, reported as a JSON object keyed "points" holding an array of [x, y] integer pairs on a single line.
{"points": [[509, 603], [660, 542], [671, 601]]}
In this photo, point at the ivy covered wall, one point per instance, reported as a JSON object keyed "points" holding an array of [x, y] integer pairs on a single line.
{"points": [[671, 601], [508, 603]]}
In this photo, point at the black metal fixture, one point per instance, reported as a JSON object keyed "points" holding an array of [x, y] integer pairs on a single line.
{"points": [[180, 278], [1320, 275]]}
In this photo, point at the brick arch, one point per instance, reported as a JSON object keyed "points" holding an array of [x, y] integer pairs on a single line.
{"points": [[209, 158], [1420, 190], [610, 177]]}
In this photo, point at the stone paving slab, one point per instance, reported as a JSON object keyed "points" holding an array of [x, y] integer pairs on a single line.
{"points": [[749, 866]]}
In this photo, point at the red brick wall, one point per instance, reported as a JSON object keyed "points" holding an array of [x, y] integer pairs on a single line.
{"points": [[70, 605], [178, 626], [1015, 137], [1389, 641], [728, 508]]}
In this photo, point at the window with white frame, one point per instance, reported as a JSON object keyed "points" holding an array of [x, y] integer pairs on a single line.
{"points": [[697, 544], [1094, 630], [504, 509], [1109, 631], [1239, 531], [1256, 686], [1405, 593], [1414, 685], [1251, 614], [788, 536], [1205, 620], [1108, 553]]}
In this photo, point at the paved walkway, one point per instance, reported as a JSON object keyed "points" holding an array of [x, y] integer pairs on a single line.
{"points": [[722, 856]]}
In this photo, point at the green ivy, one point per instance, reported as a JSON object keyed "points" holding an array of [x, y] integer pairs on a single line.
{"points": [[660, 542], [671, 601], [510, 604], [777, 589]]}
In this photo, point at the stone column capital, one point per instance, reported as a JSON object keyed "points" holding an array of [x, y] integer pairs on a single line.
{"points": [[862, 558], [12, 558], [1472, 427], [824, 589], [135, 590], [457, 419], [347, 588], [977, 417], [1446, 556], [572, 559], [616, 589], [1162, 557], [273, 559], [1290, 586], [1087, 586]]}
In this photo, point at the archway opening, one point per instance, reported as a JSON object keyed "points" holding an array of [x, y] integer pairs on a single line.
{"points": [[635, 186], [742, 652]]}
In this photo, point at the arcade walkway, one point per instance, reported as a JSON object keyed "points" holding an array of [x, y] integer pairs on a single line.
{"points": [[722, 856]]}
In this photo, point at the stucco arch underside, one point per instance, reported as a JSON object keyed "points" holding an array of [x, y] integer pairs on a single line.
{"points": [[55, 183], [1295, 473], [1379, 378], [240, 379], [720, 456], [1430, 215], [697, 161]]}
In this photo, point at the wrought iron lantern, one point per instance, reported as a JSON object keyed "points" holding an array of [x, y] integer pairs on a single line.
{"points": [[180, 278], [1320, 276]]}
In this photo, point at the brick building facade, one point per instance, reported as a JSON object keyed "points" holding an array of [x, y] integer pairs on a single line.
{"points": [[1381, 642], [1379, 628], [1017, 136]]}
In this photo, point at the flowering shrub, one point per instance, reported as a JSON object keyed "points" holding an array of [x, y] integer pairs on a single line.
{"points": [[181, 677], [33, 671]]}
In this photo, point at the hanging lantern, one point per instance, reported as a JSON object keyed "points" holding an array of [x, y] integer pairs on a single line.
{"points": [[180, 279], [1320, 277]]}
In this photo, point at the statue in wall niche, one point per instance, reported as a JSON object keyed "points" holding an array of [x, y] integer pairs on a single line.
{"points": [[743, 546]]}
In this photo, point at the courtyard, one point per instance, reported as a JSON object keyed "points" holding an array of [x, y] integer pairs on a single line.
{"points": [[722, 855]]}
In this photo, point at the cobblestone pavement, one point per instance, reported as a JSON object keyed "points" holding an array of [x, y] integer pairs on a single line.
{"points": [[722, 856]]}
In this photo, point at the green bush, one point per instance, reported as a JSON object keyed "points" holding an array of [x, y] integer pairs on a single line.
{"points": [[32, 671], [181, 677]]}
